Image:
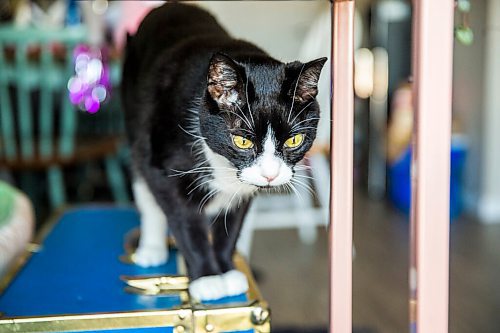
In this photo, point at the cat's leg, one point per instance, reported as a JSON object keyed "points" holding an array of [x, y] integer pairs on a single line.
{"points": [[152, 249], [191, 234], [225, 232]]}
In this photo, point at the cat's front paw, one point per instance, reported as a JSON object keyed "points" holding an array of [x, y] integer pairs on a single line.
{"points": [[150, 256], [236, 282], [207, 288]]}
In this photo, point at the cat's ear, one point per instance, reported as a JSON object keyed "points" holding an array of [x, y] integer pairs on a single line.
{"points": [[224, 80], [305, 87]]}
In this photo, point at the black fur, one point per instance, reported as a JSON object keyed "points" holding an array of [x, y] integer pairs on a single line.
{"points": [[171, 95]]}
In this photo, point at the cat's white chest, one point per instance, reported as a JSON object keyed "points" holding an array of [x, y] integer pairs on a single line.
{"points": [[228, 190], [221, 203], [230, 193]]}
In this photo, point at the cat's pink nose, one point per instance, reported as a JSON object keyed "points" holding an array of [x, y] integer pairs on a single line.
{"points": [[270, 169], [270, 175], [270, 178]]}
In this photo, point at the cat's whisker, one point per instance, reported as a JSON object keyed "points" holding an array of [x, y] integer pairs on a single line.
{"points": [[303, 121], [303, 176], [307, 119], [220, 211], [204, 168], [215, 218], [248, 102], [201, 184], [227, 208], [195, 145], [279, 189], [294, 189], [287, 188], [228, 177], [198, 154], [304, 128], [313, 97], [196, 180], [199, 151], [294, 92], [302, 110], [303, 185], [242, 119], [192, 134], [302, 167], [243, 113], [206, 198], [198, 170], [245, 130], [179, 173]]}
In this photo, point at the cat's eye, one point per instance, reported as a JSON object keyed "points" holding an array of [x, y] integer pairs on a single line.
{"points": [[241, 142], [294, 141]]}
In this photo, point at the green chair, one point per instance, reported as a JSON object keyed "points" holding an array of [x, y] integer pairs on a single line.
{"points": [[44, 135]]}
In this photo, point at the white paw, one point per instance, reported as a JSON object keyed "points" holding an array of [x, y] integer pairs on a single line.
{"points": [[236, 282], [207, 288], [150, 256]]}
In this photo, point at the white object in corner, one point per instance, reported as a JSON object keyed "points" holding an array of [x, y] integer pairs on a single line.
{"points": [[17, 232], [489, 210]]}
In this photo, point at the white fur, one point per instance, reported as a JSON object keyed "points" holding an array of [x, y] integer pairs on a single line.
{"points": [[152, 249], [236, 282], [207, 288], [268, 169], [214, 287]]}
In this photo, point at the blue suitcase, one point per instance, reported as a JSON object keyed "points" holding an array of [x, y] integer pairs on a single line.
{"points": [[76, 279]]}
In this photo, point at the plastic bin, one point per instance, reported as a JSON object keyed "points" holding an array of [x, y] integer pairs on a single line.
{"points": [[399, 179]]}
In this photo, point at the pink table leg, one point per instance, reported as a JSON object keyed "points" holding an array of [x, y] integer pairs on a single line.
{"points": [[429, 263], [341, 167]]}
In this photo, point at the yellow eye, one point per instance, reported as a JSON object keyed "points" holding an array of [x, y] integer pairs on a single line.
{"points": [[242, 143], [294, 141]]}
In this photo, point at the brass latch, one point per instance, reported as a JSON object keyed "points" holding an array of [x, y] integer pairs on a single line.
{"points": [[232, 318], [156, 285]]}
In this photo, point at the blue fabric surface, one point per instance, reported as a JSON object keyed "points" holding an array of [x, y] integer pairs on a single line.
{"points": [[141, 330], [77, 270], [148, 330]]}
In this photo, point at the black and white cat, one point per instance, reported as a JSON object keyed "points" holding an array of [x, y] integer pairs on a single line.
{"points": [[210, 120]]}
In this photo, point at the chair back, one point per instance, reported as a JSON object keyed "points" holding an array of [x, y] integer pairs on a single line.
{"points": [[37, 120]]}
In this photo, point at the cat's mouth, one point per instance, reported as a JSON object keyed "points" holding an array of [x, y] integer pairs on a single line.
{"points": [[276, 188], [264, 184], [259, 187]]}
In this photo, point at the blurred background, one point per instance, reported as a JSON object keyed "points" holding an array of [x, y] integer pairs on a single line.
{"points": [[62, 143]]}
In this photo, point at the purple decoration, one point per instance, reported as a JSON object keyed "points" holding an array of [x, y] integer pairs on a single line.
{"points": [[91, 105], [90, 86]]}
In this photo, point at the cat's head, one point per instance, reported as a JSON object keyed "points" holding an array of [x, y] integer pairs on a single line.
{"points": [[260, 117]]}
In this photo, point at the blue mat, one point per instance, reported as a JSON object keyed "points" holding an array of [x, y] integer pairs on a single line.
{"points": [[77, 269]]}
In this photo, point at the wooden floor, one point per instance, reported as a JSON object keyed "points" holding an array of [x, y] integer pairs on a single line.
{"points": [[293, 276]]}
